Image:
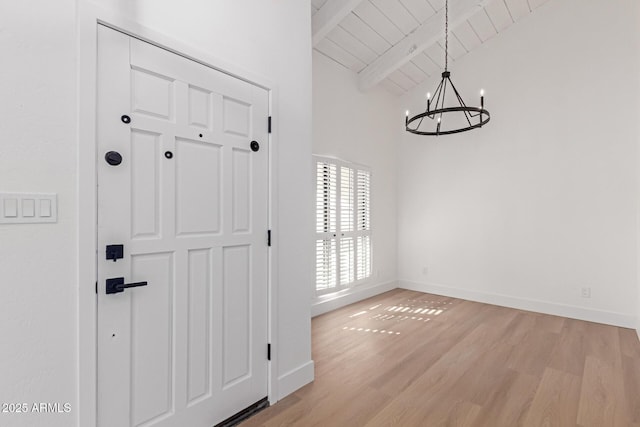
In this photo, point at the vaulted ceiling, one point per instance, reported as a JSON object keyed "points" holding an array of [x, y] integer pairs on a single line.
{"points": [[400, 43]]}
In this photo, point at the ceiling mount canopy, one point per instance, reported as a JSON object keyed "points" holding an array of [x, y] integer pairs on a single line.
{"points": [[454, 118]]}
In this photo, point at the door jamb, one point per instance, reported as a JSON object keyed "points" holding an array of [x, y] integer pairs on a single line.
{"points": [[89, 16]]}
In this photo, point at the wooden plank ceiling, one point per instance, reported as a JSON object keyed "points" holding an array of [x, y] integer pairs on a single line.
{"points": [[399, 43]]}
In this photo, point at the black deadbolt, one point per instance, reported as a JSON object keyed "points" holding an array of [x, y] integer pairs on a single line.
{"points": [[115, 252], [255, 146], [125, 119], [113, 158], [168, 154]]}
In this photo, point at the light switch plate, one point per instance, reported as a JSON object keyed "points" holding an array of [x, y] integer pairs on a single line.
{"points": [[28, 208]]}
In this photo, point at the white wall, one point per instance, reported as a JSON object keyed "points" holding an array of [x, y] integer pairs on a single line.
{"points": [[543, 200], [39, 149], [38, 262], [358, 127], [637, 14]]}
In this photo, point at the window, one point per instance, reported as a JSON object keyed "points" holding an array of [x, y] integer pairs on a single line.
{"points": [[343, 224]]}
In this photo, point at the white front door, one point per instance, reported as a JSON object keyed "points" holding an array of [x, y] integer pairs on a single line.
{"points": [[184, 191]]}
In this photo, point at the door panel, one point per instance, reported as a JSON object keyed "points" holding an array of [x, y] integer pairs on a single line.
{"points": [[200, 108], [199, 327], [241, 190], [152, 94], [198, 202], [189, 204], [237, 317], [152, 337], [145, 184], [237, 116]]}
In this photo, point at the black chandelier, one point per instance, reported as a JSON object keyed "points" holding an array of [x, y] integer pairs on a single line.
{"points": [[462, 122]]}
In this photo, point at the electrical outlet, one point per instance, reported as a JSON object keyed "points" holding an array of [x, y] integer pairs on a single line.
{"points": [[586, 292]]}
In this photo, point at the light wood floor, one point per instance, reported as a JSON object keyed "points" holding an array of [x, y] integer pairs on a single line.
{"points": [[407, 359]]}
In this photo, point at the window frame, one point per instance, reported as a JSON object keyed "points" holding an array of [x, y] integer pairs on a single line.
{"points": [[338, 237]]}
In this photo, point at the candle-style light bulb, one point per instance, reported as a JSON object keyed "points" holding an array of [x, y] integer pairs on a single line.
{"points": [[428, 101], [438, 120], [406, 118], [428, 95], [481, 92]]}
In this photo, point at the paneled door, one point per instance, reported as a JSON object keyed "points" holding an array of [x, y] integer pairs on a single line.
{"points": [[182, 238]]}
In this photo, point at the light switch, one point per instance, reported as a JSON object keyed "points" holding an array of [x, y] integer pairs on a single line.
{"points": [[10, 208], [28, 208], [45, 208]]}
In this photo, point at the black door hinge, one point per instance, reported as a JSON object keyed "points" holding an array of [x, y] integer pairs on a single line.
{"points": [[268, 351], [269, 124], [96, 287], [268, 237]]}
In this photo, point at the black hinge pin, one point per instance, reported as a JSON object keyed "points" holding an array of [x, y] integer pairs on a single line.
{"points": [[268, 351], [269, 124], [268, 237]]}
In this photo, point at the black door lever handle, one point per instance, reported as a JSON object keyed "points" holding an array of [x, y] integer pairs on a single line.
{"points": [[117, 284]]}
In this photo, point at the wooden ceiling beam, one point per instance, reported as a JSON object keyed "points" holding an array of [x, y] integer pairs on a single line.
{"points": [[422, 38], [329, 16]]}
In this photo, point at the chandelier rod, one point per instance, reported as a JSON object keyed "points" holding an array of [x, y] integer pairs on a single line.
{"points": [[446, 35], [461, 101]]}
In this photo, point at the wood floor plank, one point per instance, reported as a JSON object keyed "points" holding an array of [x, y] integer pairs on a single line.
{"points": [[357, 412], [422, 354], [449, 368], [631, 376], [604, 343], [556, 400], [449, 412], [510, 401], [530, 346], [629, 343], [489, 371], [602, 400], [549, 323], [570, 353], [410, 359]]}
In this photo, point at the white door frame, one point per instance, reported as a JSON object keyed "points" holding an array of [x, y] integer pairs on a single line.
{"points": [[89, 16]]}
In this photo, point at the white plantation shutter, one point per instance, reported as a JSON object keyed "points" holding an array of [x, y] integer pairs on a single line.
{"points": [[347, 261], [326, 198], [363, 220], [364, 191], [326, 265], [343, 224], [364, 257], [326, 222], [347, 199]]}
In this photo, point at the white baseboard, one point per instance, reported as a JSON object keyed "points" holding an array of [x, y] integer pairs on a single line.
{"points": [[295, 379], [573, 312], [332, 302]]}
